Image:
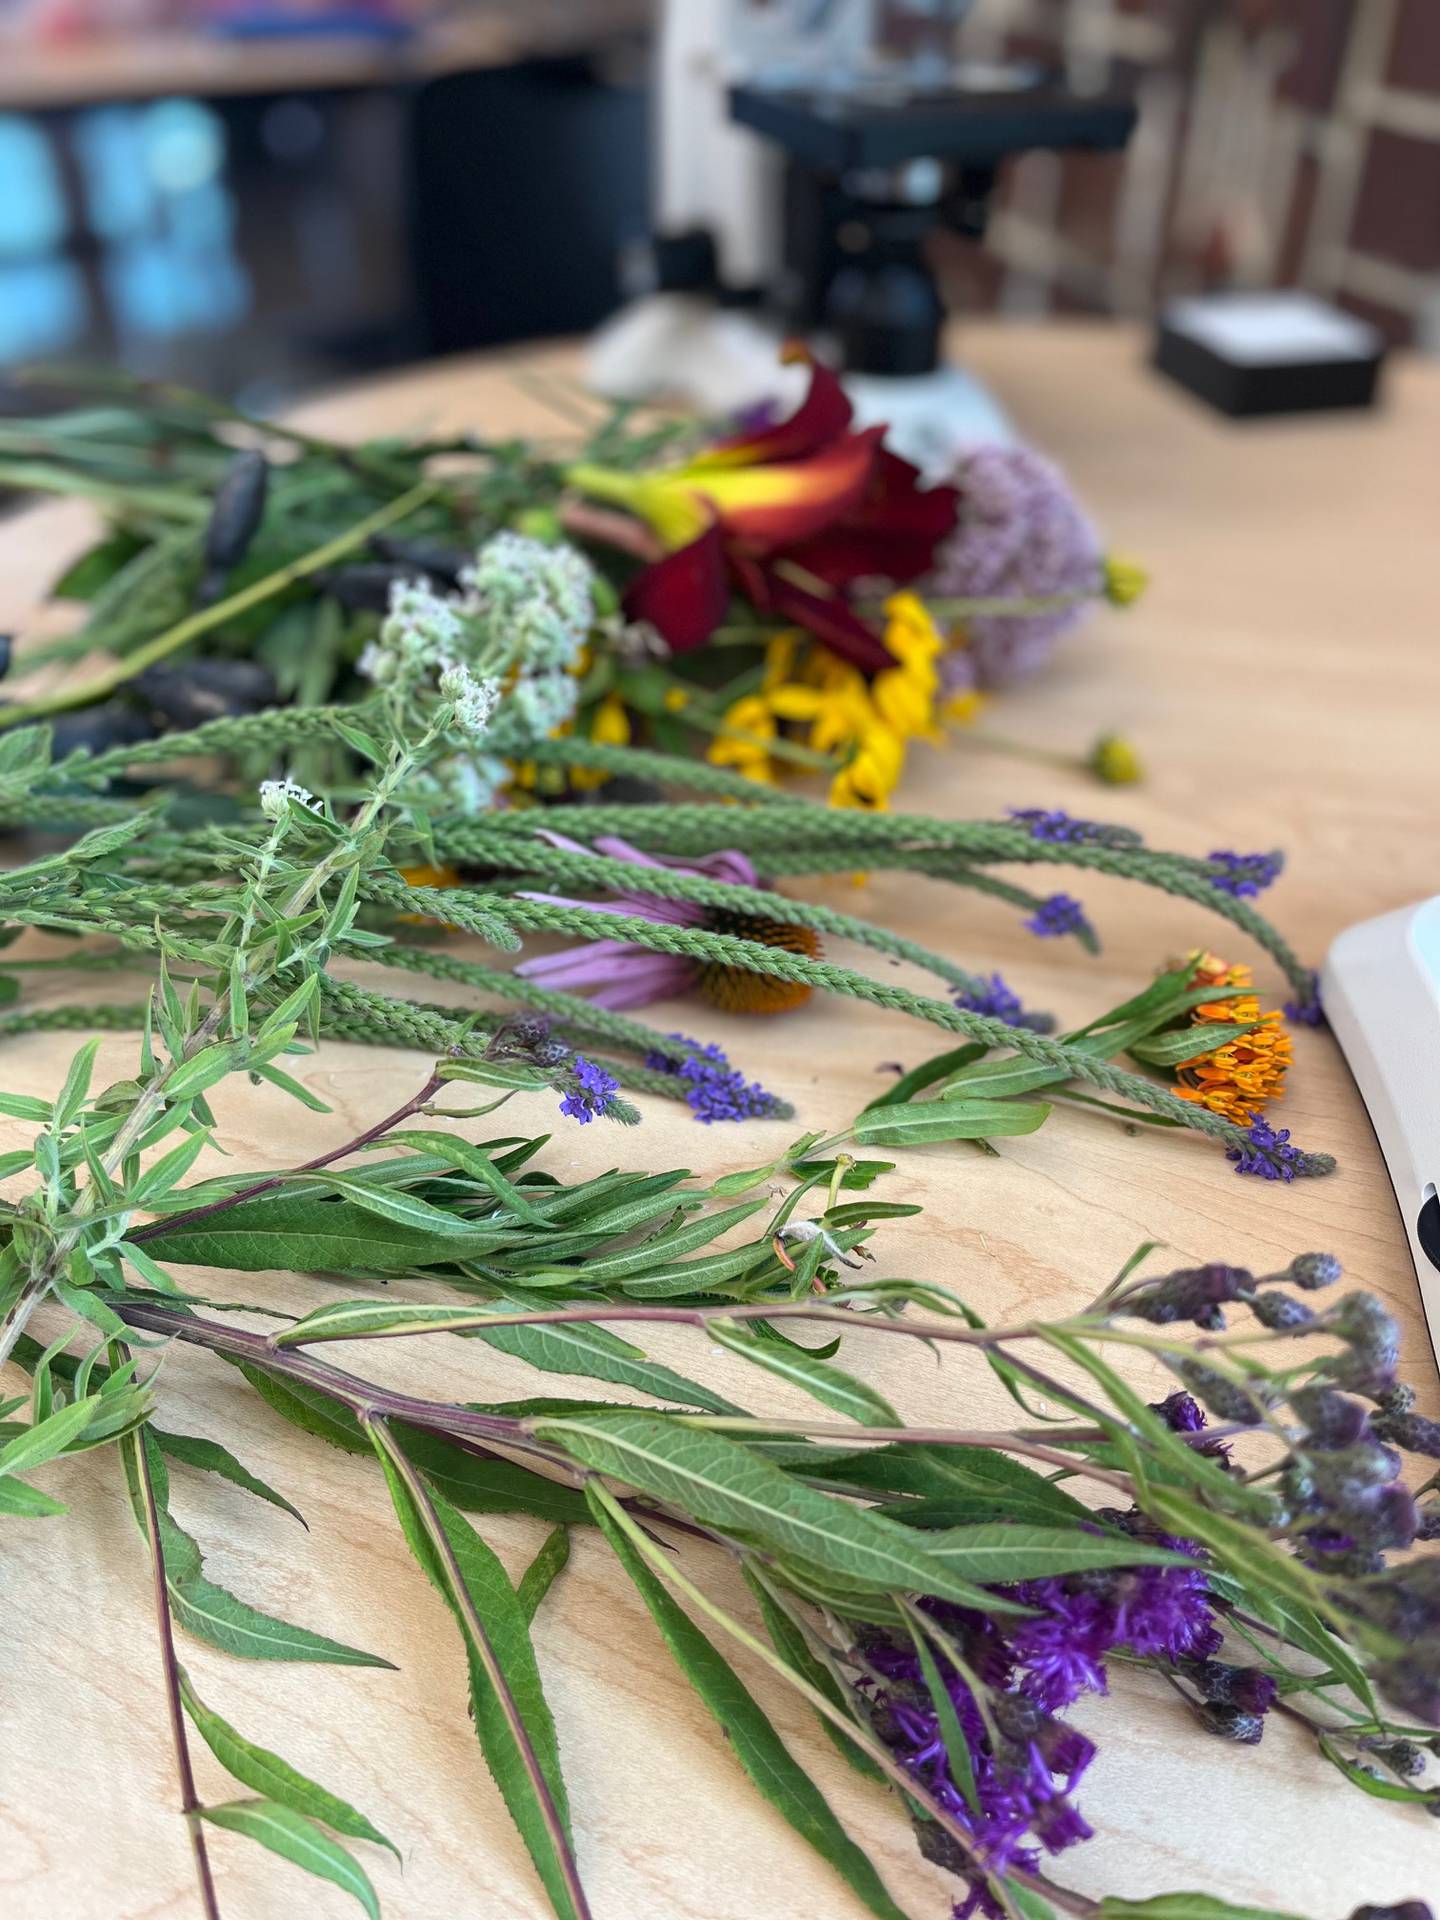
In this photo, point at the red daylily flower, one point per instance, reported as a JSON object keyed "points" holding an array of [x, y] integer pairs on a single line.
{"points": [[790, 515]]}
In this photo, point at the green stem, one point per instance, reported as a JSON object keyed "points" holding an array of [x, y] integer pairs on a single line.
{"points": [[202, 622], [189, 1799]]}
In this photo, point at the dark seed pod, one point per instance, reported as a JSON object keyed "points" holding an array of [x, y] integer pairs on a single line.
{"points": [[234, 520], [1280, 1312], [1311, 1270], [115, 723], [1330, 1419], [625, 789], [1225, 1685], [433, 558], [7, 648], [1405, 1910], [204, 690], [1232, 1723], [365, 587], [1226, 1399]]}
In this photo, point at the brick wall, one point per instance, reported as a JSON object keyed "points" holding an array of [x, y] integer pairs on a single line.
{"points": [[1281, 142]]}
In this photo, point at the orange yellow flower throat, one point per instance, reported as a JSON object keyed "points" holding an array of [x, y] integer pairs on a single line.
{"points": [[733, 989]]}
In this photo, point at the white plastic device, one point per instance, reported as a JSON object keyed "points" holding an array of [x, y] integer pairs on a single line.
{"points": [[1381, 989]]}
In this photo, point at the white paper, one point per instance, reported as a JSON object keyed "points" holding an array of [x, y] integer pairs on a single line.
{"points": [[1273, 329]]}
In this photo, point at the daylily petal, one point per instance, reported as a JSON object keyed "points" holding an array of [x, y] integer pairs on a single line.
{"points": [[892, 532], [822, 416], [663, 499], [830, 619], [770, 506], [684, 596]]}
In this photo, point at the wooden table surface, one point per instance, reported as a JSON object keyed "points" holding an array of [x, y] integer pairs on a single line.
{"points": [[1282, 680]]}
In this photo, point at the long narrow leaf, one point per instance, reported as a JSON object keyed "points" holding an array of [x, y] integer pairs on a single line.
{"points": [[267, 1774], [282, 1830], [754, 1741]]}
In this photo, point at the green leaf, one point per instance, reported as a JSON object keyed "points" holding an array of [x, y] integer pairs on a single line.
{"points": [[169, 1170], [595, 1353], [307, 1409], [1184, 1906], [938, 1474], [481, 1483], [266, 1773], [84, 577], [210, 1457], [304, 1233], [1000, 1552], [832, 1386], [24, 1502], [214, 1614], [294, 1838], [71, 1096], [728, 1486], [1174, 1049], [665, 1248], [473, 1161], [24, 1106], [957, 1747], [754, 1741], [543, 1570], [202, 1070], [402, 1209], [949, 1119], [927, 1073], [48, 1437], [507, 1630], [790, 1643]]}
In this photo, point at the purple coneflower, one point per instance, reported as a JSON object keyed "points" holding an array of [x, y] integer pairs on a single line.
{"points": [[621, 973]]}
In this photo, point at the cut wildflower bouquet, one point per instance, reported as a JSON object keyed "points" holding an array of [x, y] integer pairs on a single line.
{"points": [[939, 1595], [792, 599]]}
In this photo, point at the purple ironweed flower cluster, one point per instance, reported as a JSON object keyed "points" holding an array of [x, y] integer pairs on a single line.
{"points": [[1308, 1012], [714, 1090], [992, 996], [1059, 915], [1060, 829], [590, 1090], [1182, 1413], [1020, 536], [587, 1089], [1245, 874], [1026, 1762], [1268, 1153]]}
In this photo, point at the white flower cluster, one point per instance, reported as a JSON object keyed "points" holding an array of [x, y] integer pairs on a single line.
{"points": [[276, 795], [463, 783], [475, 700], [422, 634], [539, 598]]}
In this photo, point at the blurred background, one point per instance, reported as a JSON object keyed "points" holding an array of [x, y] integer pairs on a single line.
{"points": [[257, 195]]}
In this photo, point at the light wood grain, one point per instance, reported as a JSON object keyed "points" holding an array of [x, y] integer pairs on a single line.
{"points": [[1282, 679]]}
